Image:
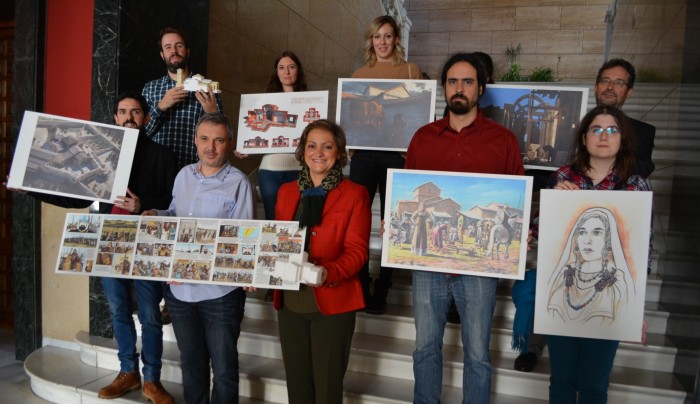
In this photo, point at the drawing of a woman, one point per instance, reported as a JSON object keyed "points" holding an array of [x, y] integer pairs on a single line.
{"points": [[592, 279]]}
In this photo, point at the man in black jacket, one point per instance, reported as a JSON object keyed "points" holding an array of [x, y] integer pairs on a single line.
{"points": [[150, 187], [614, 83]]}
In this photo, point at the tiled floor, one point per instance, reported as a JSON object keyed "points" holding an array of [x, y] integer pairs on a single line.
{"points": [[14, 382]]}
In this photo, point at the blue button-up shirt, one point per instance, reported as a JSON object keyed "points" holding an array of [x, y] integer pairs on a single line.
{"points": [[227, 194], [174, 128]]}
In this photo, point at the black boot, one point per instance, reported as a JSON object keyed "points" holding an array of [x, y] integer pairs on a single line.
{"points": [[365, 281], [377, 304]]}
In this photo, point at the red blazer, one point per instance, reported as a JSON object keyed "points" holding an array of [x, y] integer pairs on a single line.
{"points": [[340, 243]]}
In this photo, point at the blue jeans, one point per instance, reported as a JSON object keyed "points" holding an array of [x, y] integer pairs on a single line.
{"points": [[208, 331], [270, 182], [475, 298], [580, 366], [148, 297]]}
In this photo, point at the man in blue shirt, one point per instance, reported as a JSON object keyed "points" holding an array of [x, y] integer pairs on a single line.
{"points": [[174, 111], [207, 318]]}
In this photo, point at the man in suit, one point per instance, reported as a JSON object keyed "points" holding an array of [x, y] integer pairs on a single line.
{"points": [[614, 83]]}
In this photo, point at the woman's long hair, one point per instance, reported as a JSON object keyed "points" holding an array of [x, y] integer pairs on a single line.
{"points": [[624, 160], [397, 57], [274, 85]]}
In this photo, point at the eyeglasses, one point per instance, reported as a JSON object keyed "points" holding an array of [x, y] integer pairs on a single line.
{"points": [[598, 131], [619, 83]]}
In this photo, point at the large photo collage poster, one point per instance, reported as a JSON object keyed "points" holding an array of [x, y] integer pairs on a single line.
{"points": [[194, 250]]}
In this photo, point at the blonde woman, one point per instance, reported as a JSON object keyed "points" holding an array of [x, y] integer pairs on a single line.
{"points": [[384, 59]]}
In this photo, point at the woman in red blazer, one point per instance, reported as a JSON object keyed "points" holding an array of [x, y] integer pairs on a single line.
{"points": [[316, 323]]}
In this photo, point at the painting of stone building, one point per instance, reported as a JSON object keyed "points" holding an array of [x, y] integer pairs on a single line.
{"points": [[457, 223], [383, 114]]}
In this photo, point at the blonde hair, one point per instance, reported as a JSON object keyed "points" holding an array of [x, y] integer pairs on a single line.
{"points": [[397, 56]]}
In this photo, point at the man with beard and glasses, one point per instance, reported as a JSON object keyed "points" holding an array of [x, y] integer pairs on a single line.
{"points": [[175, 111], [463, 141], [150, 187], [614, 83]]}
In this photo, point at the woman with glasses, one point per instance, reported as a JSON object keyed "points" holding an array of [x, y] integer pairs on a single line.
{"points": [[594, 273]]}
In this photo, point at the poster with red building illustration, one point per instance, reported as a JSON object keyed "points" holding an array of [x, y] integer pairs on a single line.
{"points": [[274, 122]]}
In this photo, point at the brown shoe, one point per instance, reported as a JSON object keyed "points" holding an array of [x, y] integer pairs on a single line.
{"points": [[124, 383], [154, 391]]}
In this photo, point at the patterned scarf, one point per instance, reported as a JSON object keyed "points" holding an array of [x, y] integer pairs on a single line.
{"points": [[313, 198]]}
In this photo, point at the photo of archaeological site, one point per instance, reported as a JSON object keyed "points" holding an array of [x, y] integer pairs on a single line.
{"points": [[67, 156], [543, 118], [472, 224]]}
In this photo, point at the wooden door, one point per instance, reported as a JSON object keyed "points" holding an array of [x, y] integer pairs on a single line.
{"points": [[6, 143]]}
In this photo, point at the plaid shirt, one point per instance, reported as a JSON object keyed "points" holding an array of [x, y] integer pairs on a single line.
{"points": [[174, 128], [567, 173]]}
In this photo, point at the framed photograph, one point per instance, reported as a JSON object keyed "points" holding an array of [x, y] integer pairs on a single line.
{"points": [[592, 262], [273, 122], [191, 250], [71, 157], [381, 114], [461, 223], [544, 119]]}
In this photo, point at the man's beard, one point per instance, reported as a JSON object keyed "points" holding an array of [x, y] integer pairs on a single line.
{"points": [[172, 67], [459, 108]]}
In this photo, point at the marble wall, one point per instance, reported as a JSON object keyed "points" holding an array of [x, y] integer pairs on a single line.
{"points": [[28, 62], [126, 56]]}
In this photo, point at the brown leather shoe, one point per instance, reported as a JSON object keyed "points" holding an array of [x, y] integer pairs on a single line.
{"points": [[154, 391], [124, 383]]}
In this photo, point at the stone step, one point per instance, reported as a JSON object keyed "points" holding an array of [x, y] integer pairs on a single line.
{"points": [[375, 358], [374, 333], [59, 375]]}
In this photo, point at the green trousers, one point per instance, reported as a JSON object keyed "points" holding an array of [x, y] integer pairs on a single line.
{"points": [[316, 350]]}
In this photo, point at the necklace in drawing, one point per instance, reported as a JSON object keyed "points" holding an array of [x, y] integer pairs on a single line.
{"points": [[607, 278]]}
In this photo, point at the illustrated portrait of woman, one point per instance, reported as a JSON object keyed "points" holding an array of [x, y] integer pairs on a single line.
{"points": [[592, 279]]}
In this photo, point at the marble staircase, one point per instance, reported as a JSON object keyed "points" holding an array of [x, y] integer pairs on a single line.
{"points": [[380, 369]]}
